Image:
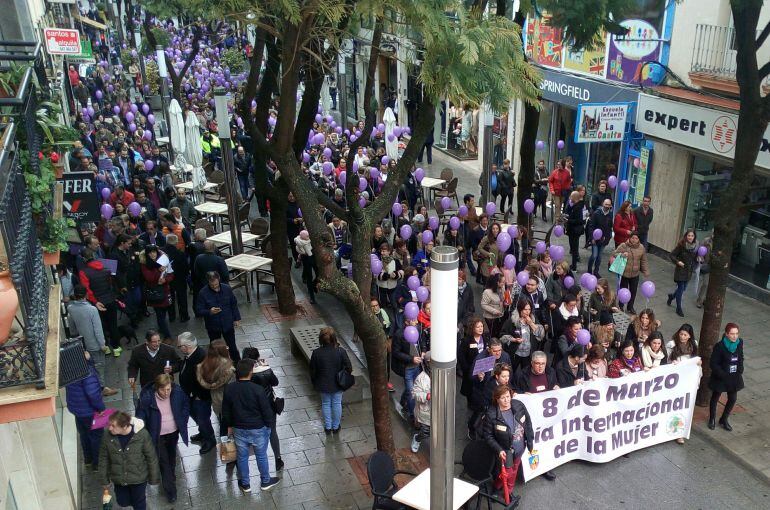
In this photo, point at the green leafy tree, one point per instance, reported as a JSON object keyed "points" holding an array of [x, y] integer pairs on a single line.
{"points": [[467, 56]]}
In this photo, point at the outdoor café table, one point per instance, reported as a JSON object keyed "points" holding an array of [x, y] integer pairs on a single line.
{"points": [[225, 238], [246, 264], [431, 184], [213, 209], [188, 186], [416, 493]]}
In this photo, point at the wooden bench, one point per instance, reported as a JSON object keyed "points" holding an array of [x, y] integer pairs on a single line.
{"points": [[305, 339]]}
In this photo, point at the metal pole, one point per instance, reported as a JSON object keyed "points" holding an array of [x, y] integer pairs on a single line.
{"points": [[342, 92], [486, 156], [228, 167], [444, 262], [138, 42], [163, 74]]}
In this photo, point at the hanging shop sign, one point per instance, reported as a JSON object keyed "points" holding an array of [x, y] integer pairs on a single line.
{"points": [[571, 90], [627, 54], [81, 201], [602, 122], [704, 129], [62, 41]]}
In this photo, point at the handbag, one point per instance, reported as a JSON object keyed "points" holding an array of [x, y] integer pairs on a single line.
{"points": [[100, 420], [278, 404], [227, 451], [155, 294], [345, 380], [618, 265]]}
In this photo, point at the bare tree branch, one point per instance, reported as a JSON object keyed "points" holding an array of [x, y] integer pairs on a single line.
{"points": [[763, 35]]}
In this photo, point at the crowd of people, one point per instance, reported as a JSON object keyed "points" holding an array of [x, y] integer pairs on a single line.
{"points": [[545, 328]]}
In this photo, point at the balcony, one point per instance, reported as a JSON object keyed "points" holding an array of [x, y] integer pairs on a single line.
{"points": [[29, 358], [713, 59]]}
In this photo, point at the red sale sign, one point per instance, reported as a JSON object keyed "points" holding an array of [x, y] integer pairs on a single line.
{"points": [[62, 41]]}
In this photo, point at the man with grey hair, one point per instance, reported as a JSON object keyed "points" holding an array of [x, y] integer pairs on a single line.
{"points": [[186, 207], [200, 398]]}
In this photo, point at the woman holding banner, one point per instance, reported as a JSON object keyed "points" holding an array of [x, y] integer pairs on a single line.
{"points": [[726, 374], [508, 430], [653, 352], [571, 370], [628, 361]]}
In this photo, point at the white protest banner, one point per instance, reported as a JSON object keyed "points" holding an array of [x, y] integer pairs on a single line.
{"points": [[601, 420]]}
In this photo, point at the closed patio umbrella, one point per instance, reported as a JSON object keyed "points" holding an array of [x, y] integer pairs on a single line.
{"points": [[391, 148]]}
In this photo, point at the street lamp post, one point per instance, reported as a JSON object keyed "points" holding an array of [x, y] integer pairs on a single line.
{"points": [[444, 262], [486, 156], [228, 167], [138, 44], [163, 74]]}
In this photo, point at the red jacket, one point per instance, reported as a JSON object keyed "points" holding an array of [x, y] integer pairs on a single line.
{"points": [[127, 198], [621, 226], [560, 181]]}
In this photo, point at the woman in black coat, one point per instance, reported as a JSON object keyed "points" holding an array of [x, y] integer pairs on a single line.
{"points": [[575, 226], [572, 368], [325, 362], [726, 374], [684, 258], [507, 431], [265, 377], [473, 343]]}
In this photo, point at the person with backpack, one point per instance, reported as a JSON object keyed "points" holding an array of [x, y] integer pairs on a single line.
{"points": [[84, 399], [326, 362]]}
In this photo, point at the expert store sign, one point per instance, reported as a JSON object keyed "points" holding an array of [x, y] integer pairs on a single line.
{"points": [[62, 41], [708, 130]]}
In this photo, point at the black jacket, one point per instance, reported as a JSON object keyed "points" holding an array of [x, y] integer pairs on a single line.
{"points": [[564, 374], [522, 377], [604, 222], [224, 299], [179, 263], [210, 262], [478, 401], [148, 367], [643, 220], [465, 306], [401, 352], [159, 241], [128, 274], [98, 283], [685, 256], [467, 350], [575, 225], [245, 406], [187, 369], [498, 434], [325, 362], [726, 368]]}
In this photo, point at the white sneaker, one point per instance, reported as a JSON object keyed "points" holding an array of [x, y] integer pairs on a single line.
{"points": [[415, 444]]}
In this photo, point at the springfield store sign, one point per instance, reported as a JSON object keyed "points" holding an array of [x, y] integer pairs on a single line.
{"points": [[571, 90], [708, 130]]}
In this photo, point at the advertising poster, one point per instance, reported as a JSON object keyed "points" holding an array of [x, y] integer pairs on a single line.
{"points": [[603, 122], [601, 420], [588, 61], [81, 200], [641, 175], [627, 54], [62, 41], [544, 42]]}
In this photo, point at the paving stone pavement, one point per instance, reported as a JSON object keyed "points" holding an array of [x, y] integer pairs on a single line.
{"points": [[699, 475]]}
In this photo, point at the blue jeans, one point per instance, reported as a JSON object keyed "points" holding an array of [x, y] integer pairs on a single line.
{"points": [[200, 412], [331, 409], [243, 183], [678, 293], [90, 440], [259, 439], [410, 374], [595, 260]]}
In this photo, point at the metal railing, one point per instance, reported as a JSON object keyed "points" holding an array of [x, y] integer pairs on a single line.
{"points": [[22, 360], [714, 51]]}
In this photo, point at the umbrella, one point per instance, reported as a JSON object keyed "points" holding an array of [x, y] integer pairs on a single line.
{"points": [[503, 477], [193, 152], [176, 129], [391, 148]]}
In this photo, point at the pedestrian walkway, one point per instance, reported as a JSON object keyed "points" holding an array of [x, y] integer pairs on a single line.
{"points": [[749, 443]]}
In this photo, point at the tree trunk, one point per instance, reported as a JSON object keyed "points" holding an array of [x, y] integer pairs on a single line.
{"points": [[284, 288], [751, 127], [527, 161]]}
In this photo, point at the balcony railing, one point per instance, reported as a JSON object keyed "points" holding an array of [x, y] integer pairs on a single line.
{"points": [[714, 51], [22, 358]]}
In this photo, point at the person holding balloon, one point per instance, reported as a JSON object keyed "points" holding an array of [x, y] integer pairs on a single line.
{"points": [[602, 298], [560, 182], [624, 223], [703, 270], [684, 257], [601, 222], [575, 226], [492, 305], [636, 263], [525, 334], [488, 252], [572, 334], [406, 351]]}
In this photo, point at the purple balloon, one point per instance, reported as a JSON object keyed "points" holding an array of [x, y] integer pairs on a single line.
{"points": [[419, 174], [503, 241], [134, 209], [381, 127], [149, 165], [422, 294], [90, 110], [376, 266], [391, 137], [361, 202], [413, 283], [513, 231], [624, 296], [432, 222], [145, 108], [569, 282], [624, 185], [540, 247], [590, 282], [427, 236], [319, 139], [129, 117], [560, 144], [105, 193], [540, 145], [454, 223], [355, 166], [374, 173], [318, 118], [411, 310], [151, 119], [385, 160], [353, 138], [299, 212], [509, 262], [406, 232], [134, 108], [490, 208], [397, 209], [597, 234], [702, 251], [362, 183], [648, 289], [132, 127], [411, 334], [343, 177], [557, 253], [328, 167], [271, 121], [446, 203], [305, 157], [327, 152], [612, 181], [583, 337], [116, 109], [147, 135], [529, 206], [107, 211], [463, 211], [522, 277], [558, 231]]}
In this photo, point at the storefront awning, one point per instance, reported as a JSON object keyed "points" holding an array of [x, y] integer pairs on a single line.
{"points": [[89, 21], [693, 97]]}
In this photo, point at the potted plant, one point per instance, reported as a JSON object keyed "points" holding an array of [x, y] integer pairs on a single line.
{"points": [[54, 238], [9, 301], [11, 79]]}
